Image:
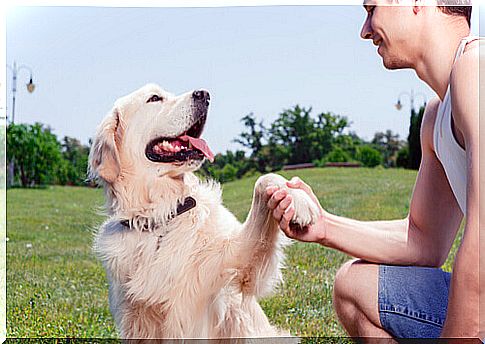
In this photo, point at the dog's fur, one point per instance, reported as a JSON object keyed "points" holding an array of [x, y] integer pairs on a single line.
{"points": [[199, 274]]}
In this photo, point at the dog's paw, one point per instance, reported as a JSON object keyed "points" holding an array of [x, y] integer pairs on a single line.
{"points": [[306, 211]]}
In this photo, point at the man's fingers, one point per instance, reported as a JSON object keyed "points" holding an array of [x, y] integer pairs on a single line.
{"points": [[294, 182], [276, 198], [281, 208], [288, 214], [285, 221], [270, 190], [297, 183]]}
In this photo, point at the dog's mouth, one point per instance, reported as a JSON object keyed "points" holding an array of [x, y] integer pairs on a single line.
{"points": [[187, 146]]}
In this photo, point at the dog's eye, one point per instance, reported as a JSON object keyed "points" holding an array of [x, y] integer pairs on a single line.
{"points": [[154, 98]]}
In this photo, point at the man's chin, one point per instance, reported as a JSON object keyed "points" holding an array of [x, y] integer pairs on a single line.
{"points": [[394, 63]]}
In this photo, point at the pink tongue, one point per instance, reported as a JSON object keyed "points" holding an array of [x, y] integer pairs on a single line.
{"points": [[200, 145]]}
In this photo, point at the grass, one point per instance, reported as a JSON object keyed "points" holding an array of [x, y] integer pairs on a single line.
{"points": [[56, 287]]}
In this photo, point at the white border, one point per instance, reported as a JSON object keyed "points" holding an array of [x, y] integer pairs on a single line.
{"points": [[4, 7], [3, 175], [209, 3]]}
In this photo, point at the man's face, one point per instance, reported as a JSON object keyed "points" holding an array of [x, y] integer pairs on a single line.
{"points": [[390, 28]]}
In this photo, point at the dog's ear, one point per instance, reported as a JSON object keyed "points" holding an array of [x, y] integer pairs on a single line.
{"points": [[104, 161]]}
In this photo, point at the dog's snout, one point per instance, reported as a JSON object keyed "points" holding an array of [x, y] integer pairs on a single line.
{"points": [[201, 96]]}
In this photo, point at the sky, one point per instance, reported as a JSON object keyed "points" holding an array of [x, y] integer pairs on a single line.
{"points": [[255, 59]]}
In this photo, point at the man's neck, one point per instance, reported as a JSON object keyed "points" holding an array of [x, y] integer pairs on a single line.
{"points": [[435, 63]]}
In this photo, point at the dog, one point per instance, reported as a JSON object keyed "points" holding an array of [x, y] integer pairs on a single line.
{"points": [[179, 264]]}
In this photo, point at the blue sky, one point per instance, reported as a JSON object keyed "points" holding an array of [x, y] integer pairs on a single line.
{"points": [[251, 59]]}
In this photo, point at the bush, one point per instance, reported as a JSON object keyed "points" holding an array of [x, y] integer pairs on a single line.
{"points": [[35, 153], [369, 156], [402, 159], [337, 154]]}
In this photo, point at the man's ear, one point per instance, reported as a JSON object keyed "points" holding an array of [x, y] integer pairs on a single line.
{"points": [[104, 162]]}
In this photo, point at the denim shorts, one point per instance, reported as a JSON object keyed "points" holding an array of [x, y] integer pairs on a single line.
{"points": [[413, 300]]}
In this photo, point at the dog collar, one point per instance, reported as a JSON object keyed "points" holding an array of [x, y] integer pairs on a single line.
{"points": [[189, 203]]}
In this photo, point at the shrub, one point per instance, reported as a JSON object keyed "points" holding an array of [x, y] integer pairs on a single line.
{"points": [[402, 159], [369, 156], [337, 154]]}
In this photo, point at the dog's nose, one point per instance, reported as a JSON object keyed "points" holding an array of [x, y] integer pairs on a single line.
{"points": [[201, 96]]}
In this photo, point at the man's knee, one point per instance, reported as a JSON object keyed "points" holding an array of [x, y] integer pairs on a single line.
{"points": [[342, 288], [355, 287]]}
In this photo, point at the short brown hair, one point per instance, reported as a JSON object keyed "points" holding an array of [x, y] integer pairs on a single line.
{"points": [[448, 7]]}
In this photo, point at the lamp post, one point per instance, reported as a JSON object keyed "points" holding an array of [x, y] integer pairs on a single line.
{"points": [[411, 96], [30, 86]]}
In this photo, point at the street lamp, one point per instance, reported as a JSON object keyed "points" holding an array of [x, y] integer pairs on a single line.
{"points": [[30, 86], [411, 96]]}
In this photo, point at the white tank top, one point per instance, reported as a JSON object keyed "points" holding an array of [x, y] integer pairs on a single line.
{"points": [[449, 152]]}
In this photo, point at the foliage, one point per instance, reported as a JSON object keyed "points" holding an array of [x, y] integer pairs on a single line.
{"points": [[388, 144], [75, 157], [304, 138], [252, 139], [35, 153], [369, 156], [338, 155], [402, 159], [349, 143], [39, 158], [414, 139], [2, 154], [228, 167], [296, 136]]}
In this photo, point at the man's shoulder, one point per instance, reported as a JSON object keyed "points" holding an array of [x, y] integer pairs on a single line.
{"points": [[464, 84], [428, 122], [466, 66]]}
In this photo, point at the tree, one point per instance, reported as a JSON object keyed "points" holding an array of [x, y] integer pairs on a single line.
{"points": [[328, 129], [75, 155], [389, 144], [402, 159], [414, 138], [2, 154], [36, 153], [253, 140], [303, 138], [349, 143], [227, 167]]}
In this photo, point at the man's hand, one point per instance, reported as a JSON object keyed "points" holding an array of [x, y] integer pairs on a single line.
{"points": [[281, 202]]}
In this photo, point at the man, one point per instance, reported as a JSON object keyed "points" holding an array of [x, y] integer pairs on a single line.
{"points": [[396, 288]]}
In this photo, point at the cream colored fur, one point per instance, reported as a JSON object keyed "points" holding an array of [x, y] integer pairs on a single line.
{"points": [[200, 274]]}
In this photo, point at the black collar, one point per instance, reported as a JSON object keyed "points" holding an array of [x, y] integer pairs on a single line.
{"points": [[189, 203]]}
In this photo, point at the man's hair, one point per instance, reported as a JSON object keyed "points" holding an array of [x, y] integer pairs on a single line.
{"points": [[449, 7]]}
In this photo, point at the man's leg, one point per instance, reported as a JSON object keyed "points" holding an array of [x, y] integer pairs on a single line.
{"points": [[400, 301], [355, 299]]}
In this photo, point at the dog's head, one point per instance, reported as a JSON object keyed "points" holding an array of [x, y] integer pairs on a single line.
{"points": [[151, 133]]}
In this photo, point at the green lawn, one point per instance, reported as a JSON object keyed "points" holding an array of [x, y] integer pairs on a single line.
{"points": [[56, 288]]}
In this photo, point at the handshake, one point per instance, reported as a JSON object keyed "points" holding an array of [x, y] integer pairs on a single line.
{"points": [[306, 226]]}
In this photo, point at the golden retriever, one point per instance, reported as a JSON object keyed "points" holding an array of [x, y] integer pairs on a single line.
{"points": [[179, 264]]}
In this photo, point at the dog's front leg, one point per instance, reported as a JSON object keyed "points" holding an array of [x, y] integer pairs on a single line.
{"points": [[261, 256], [260, 252]]}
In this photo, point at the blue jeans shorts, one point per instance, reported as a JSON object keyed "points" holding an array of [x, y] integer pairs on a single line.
{"points": [[413, 300]]}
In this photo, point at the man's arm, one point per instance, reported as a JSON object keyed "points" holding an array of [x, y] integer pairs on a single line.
{"points": [[423, 238], [463, 305]]}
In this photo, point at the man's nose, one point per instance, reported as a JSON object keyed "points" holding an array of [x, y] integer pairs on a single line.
{"points": [[366, 32]]}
